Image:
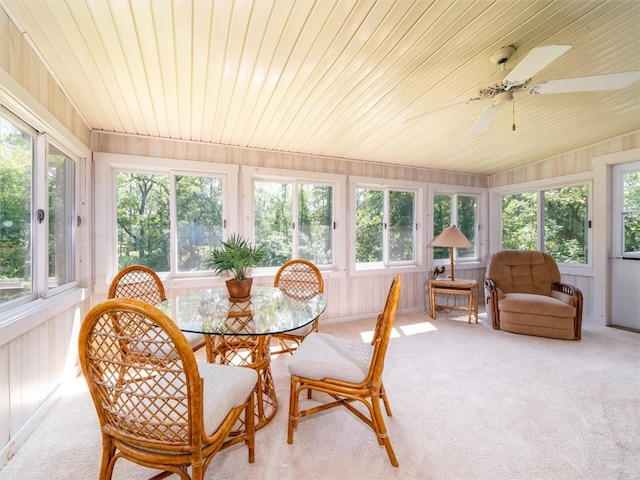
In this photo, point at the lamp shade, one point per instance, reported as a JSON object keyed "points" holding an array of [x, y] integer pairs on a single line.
{"points": [[452, 237]]}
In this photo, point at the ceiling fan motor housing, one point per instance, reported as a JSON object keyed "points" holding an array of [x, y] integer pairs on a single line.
{"points": [[494, 85], [503, 55]]}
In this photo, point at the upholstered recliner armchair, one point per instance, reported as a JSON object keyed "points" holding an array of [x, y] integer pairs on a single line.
{"points": [[524, 295]]}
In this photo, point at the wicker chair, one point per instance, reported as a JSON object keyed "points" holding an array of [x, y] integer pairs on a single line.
{"points": [[142, 283], [156, 405], [301, 280], [348, 371]]}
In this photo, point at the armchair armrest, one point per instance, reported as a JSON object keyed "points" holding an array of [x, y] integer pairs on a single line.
{"points": [[573, 296], [491, 297]]}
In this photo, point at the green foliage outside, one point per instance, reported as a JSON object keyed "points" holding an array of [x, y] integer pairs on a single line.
{"points": [[401, 226], [467, 213], [565, 223], [369, 223], [274, 213], [632, 212], [564, 214], [519, 221], [143, 220], [15, 210]]}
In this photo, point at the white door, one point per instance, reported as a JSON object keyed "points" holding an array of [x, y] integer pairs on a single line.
{"points": [[625, 246]]}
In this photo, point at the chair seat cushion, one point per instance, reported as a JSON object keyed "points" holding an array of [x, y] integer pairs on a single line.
{"points": [[323, 356], [529, 303], [225, 387]]}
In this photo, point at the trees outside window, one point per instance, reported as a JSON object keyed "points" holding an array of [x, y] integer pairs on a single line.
{"points": [[552, 220], [147, 202], [37, 214], [294, 219], [520, 221], [385, 223], [62, 217], [459, 210], [16, 203], [631, 215]]}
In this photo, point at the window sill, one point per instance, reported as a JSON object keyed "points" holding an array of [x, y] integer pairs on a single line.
{"points": [[24, 318]]}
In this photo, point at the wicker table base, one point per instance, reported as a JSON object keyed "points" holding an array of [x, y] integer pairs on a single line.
{"points": [[247, 351]]}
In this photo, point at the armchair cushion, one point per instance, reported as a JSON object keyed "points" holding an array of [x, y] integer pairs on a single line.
{"points": [[536, 305]]}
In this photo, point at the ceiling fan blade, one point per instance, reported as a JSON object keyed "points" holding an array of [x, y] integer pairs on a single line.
{"points": [[533, 62], [610, 81], [485, 119], [424, 114]]}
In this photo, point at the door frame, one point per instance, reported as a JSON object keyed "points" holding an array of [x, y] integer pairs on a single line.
{"points": [[602, 241]]}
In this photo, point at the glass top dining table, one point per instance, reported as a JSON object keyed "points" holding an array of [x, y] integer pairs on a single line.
{"points": [[268, 311], [238, 332]]}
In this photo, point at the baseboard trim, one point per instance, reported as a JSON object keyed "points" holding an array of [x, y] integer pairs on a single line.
{"points": [[16, 441]]}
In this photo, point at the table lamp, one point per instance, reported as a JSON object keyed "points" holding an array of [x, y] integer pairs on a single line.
{"points": [[451, 237]]}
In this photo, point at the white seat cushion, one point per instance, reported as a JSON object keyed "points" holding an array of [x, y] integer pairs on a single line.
{"points": [[323, 356], [225, 387]]}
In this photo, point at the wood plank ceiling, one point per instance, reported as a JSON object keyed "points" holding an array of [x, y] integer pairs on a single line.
{"points": [[340, 78]]}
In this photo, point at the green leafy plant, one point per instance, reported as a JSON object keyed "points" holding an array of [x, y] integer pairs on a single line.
{"points": [[237, 256]]}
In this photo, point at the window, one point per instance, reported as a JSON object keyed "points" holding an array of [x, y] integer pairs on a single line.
{"points": [[631, 215], [146, 204], [37, 214], [460, 210], [520, 221], [62, 218], [294, 219], [385, 224], [553, 220]]}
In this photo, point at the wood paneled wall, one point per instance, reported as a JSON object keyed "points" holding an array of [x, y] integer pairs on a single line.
{"points": [[182, 150], [570, 163], [19, 60]]}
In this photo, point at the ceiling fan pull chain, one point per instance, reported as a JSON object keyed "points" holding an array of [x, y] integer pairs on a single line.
{"points": [[513, 114]]}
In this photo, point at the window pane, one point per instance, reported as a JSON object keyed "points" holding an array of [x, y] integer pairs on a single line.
{"points": [[369, 220], [401, 226], [199, 219], [315, 210], [519, 222], [442, 205], [565, 224], [16, 160], [631, 215], [273, 219], [466, 221], [61, 218], [143, 220]]}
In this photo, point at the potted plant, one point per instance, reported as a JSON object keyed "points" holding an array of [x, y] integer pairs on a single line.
{"points": [[236, 256]]}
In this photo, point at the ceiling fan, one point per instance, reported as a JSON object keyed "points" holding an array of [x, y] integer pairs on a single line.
{"points": [[500, 88]]}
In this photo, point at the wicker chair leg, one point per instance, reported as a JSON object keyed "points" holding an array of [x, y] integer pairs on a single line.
{"points": [[383, 396], [250, 427], [108, 459], [293, 410], [381, 429]]}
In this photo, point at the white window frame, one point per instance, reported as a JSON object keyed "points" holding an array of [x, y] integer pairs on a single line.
{"points": [[384, 267], [537, 187], [107, 166], [40, 201], [480, 244], [251, 174]]}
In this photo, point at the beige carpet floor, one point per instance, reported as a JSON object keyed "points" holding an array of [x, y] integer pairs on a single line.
{"points": [[468, 403]]}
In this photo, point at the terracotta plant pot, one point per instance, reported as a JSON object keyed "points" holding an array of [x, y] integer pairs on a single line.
{"points": [[239, 290]]}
